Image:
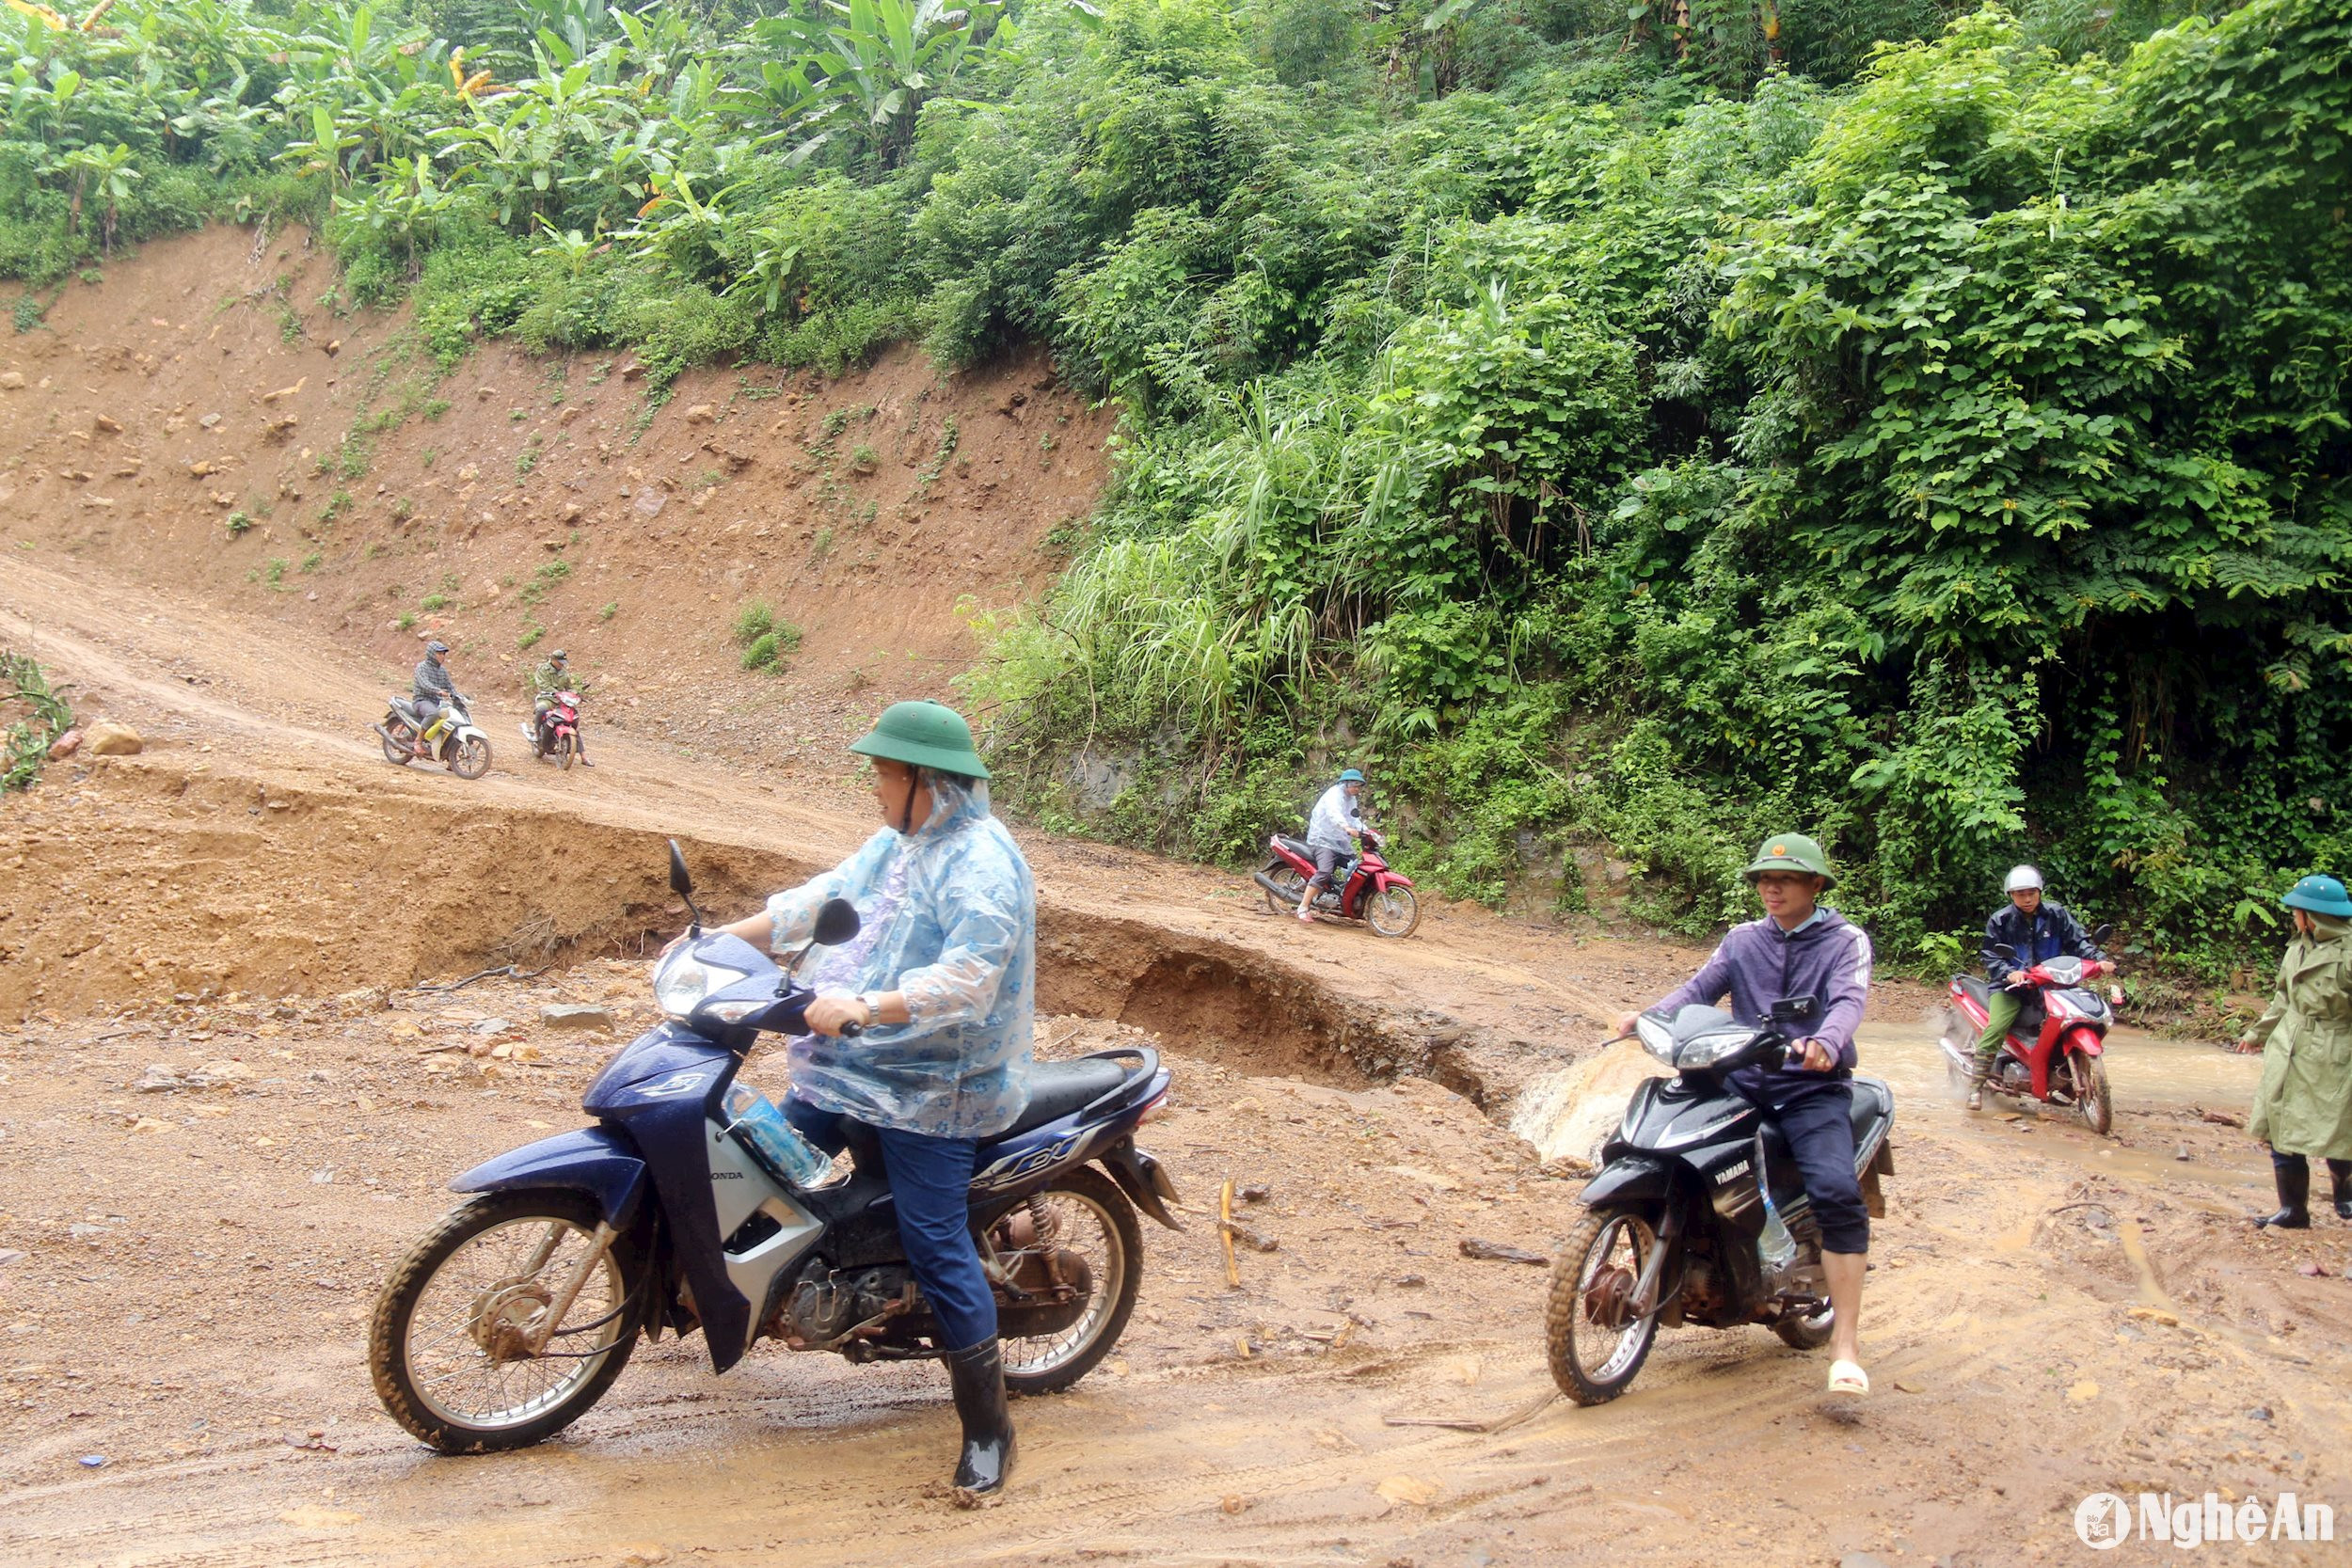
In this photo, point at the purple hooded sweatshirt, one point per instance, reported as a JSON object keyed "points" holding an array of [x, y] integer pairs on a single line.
{"points": [[1758, 964]]}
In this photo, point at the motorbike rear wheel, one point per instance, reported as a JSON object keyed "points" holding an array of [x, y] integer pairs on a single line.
{"points": [[471, 758], [1392, 911], [1287, 876], [1088, 1215], [2092, 1095], [394, 733], [1589, 1280], [1806, 1333], [445, 1346]]}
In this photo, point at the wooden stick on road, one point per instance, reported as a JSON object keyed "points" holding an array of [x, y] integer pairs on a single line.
{"points": [[1225, 1234]]}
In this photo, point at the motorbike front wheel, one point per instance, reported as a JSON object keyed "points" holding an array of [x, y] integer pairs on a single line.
{"points": [[565, 749], [1595, 1347], [1085, 1213], [1392, 911], [471, 758], [1286, 876], [449, 1344], [2091, 1095]]}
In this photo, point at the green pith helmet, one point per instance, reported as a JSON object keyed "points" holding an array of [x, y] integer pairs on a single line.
{"points": [[1792, 852], [2320, 896], [924, 734]]}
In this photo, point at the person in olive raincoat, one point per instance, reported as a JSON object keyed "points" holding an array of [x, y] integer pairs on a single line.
{"points": [[2303, 1108]]}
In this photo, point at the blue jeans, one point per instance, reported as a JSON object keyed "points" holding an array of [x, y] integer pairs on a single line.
{"points": [[930, 1185]]}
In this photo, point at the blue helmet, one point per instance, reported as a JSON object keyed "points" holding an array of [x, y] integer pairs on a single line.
{"points": [[2320, 896], [1351, 776]]}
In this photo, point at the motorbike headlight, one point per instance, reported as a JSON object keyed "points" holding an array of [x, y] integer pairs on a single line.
{"points": [[1655, 1037], [681, 983], [1705, 1050]]}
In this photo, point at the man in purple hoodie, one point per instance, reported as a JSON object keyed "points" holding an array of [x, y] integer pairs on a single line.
{"points": [[1801, 949]]}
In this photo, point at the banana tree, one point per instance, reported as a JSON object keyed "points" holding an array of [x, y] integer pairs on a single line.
{"points": [[863, 67], [406, 202], [104, 171], [685, 229]]}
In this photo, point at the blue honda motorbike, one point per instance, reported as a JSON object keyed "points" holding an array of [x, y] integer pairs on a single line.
{"points": [[682, 1210]]}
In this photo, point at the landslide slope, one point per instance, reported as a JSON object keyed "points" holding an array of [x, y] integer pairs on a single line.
{"points": [[204, 420]]}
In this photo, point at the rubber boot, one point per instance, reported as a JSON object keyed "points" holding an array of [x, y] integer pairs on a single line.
{"points": [[2293, 1174], [1976, 1092], [2340, 1177], [978, 1376]]}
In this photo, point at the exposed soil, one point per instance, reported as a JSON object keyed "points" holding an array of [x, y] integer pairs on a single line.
{"points": [[188, 1256], [206, 381]]}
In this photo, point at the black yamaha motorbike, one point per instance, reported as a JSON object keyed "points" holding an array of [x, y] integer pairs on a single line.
{"points": [[1678, 1226]]}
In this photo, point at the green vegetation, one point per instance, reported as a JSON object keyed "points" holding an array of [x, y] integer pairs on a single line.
{"points": [[771, 649], [754, 620], [1635, 423], [612, 609], [543, 580], [533, 633], [432, 602], [41, 717], [236, 523]]}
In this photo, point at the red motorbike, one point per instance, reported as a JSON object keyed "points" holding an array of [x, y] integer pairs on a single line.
{"points": [[1381, 899], [2055, 1051], [556, 733]]}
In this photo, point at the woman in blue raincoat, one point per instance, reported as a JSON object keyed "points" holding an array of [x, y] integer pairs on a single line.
{"points": [[941, 982]]}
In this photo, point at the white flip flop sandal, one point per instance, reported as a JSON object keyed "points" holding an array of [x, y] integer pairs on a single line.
{"points": [[1846, 1377]]}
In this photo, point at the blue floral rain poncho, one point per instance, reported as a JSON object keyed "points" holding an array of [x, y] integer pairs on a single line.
{"points": [[950, 915]]}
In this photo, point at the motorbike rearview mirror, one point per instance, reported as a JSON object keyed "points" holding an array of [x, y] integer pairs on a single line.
{"points": [[2101, 933], [836, 922], [683, 885], [1795, 1010], [2004, 950]]}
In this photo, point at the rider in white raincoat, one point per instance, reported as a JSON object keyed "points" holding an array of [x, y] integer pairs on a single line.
{"points": [[921, 1031], [950, 923]]}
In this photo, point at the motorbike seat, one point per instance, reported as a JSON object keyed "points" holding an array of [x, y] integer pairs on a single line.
{"points": [[1296, 845], [1058, 1088], [1978, 988], [1873, 1102]]}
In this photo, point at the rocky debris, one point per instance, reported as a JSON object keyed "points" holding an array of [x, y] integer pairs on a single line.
{"points": [[490, 1026], [210, 421], [702, 413], [109, 424], [66, 744], [161, 1079], [11, 381], [106, 738], [1496, 1252], [575, 1015], [650, 501]]}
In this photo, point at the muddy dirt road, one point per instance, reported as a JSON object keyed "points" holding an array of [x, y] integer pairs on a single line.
{"points": [[185, 1268]]}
